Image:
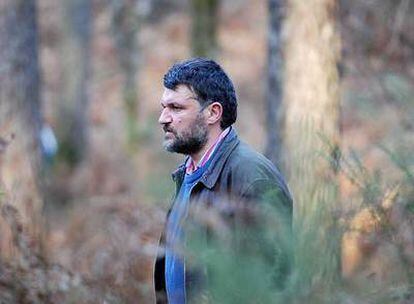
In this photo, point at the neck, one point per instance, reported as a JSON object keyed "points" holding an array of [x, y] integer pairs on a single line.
{"points": [[212, 137]]}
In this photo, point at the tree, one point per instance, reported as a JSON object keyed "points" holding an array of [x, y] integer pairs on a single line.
{"points": [[274, 80], [311, 129], [125, 27], [204, 27], [73, 107], [20, 115]]}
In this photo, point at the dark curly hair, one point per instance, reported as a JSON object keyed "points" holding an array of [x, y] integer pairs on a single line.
{"points": [[209, 82]]}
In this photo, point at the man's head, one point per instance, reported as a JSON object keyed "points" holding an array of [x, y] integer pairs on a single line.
{"points": [[199, 97]]}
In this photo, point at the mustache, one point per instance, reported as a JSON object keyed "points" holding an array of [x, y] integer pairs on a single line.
{"points": [[167, 128]]}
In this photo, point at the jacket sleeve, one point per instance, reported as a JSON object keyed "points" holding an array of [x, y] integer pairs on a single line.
{"points": [[268, 192], [264, 228]]}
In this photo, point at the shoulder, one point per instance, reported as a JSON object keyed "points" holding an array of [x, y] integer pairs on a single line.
{"points": [[250, 168], [244, 160]]}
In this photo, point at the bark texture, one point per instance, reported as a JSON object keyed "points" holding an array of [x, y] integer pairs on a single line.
{"points": [[311, 129], [73, 108], [274, 80], [204, 27], [20, 118], [125, 28]]}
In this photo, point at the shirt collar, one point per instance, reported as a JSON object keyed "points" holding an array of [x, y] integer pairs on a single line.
{"points": [[190, 165]]}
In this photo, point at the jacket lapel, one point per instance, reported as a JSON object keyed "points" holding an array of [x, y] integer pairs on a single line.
{"points": [[209, 178], [220, 156]]}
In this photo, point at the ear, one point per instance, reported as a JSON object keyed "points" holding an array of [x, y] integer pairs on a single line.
{"points": [[214, 113]]}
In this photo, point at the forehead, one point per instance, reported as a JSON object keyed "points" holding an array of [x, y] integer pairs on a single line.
{"points": [[181, 94]]}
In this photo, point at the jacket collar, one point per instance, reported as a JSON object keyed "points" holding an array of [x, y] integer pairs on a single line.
{"points": [[218, 160]]}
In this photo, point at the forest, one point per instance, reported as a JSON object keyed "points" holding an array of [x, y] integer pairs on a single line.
{"points": [[325, 90]]}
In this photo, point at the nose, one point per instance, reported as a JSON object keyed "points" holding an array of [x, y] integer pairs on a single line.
{"points": [[165, 117]]}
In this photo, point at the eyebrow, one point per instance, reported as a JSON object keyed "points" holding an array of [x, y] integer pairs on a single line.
{"points": [[169, 101]]}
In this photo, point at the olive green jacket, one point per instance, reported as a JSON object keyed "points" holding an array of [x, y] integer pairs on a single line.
{"points": [[237, 176]]}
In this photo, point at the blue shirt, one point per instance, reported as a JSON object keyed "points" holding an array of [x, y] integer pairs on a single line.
{"points": [[174, 261]]}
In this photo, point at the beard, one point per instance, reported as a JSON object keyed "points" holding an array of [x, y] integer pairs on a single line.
{"points": [[189, 141]]}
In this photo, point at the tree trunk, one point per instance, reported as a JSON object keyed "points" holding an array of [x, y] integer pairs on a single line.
{"points": [[204, 28], [311, 130], [274, 81], [20, 117], [73, 108], [125, 26]]}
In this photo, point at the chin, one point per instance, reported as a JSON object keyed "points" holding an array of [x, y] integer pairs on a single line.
{"points": [[168, 145]]}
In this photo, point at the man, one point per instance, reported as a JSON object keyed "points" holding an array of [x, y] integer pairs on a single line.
{"points": [[199, 107]]}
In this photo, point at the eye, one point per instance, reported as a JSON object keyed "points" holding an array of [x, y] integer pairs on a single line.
{"points": [[175, 107]]}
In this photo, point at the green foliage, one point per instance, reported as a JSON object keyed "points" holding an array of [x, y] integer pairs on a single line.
{"points": [[404, 160], [370, 184], [243, 263]]}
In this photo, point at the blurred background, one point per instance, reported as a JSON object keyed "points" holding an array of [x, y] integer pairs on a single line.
{"points": [[85, 182]]}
